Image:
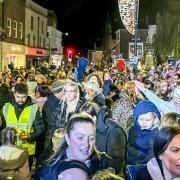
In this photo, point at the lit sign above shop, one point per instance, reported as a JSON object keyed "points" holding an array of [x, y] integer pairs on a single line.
{"points": [[36, 52]]}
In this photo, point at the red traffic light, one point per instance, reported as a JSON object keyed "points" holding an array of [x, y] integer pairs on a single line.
{"points": [[70, 51]]}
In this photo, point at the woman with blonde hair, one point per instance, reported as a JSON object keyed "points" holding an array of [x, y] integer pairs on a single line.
{"points": [[70, 103], [170, 119]]}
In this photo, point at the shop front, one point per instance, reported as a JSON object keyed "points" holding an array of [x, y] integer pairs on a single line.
{"points": [[14, 54], [36, 57]]}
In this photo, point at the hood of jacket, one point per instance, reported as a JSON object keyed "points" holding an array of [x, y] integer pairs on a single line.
{"points": [[12, 157], [144, 107], [100, 124]]}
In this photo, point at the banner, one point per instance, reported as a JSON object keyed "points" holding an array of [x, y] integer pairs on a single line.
{"points": [[127, 13]]}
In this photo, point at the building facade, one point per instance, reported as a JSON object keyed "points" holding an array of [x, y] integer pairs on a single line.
{"points": [[125, 43], [13, 24], [36, 18]]}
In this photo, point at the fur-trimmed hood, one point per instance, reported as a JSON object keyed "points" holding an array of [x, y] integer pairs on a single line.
{"points": [[12, 157]]}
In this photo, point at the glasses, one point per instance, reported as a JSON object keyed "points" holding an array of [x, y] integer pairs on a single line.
{"points": [[70, 91]]}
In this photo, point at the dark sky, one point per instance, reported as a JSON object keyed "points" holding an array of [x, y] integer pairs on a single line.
{"points": [[84, 19]]}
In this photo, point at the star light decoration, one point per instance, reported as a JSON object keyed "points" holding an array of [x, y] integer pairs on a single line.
{"points": [[127, 13]]}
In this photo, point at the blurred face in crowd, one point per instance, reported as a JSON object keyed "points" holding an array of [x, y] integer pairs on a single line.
{"points": [[7, 80], [81, 141], [93, 78], [70, 92], [146, 121], [20, 98], [171, 156], [163, 87], [19, 79], [107, 76]]}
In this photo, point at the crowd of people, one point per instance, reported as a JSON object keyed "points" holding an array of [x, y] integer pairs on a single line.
{"points": [[90, 123]]}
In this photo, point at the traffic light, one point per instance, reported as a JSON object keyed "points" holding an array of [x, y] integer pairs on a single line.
{"points": [[70, 51]]}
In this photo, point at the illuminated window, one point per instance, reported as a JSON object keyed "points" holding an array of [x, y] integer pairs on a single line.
{"points": [[20, 29], [15, 29], [9, 27]]}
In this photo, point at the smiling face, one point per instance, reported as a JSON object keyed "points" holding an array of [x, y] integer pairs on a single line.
{"points": [[81, 141], [171, 156]]}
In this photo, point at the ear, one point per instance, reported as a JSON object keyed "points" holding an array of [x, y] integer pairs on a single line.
{"points": [[160, 157], [67, 139]]}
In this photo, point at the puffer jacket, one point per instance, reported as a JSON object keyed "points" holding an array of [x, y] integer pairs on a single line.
{"points": [[111, 139]]}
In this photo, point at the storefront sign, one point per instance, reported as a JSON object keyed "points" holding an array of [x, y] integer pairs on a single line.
{"points": [[36, 52]]}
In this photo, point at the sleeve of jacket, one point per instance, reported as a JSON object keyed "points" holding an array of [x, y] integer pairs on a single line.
{"points": [[38, 127], [117, 146]]}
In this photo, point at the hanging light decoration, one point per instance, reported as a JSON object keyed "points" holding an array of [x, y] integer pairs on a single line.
{"points": [[127, 13]]}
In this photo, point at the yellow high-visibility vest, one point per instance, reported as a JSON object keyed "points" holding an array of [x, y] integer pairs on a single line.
{"points": [[24, 123]]}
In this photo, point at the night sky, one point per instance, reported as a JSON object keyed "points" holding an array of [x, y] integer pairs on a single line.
{"points": [[84, 19]]}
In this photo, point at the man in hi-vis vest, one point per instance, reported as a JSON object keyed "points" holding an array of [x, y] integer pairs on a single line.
{"points": [[25, 116]]}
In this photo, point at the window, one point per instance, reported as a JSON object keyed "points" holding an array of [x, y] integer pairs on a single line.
{"points": [[20, 29], [42, 26], [32, 23], [40, 42], [14, 29], [9, 27], [29, 39], [44, 43], [34, 41]]}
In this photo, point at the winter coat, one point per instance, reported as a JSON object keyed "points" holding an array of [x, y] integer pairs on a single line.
{"points": [[50, 171], [5, 95], [14, 162], [140, 141], [111, 138]]}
